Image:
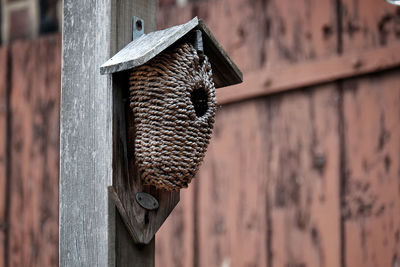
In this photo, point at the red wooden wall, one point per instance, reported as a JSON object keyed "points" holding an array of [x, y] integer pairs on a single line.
{"points": [[310, 175], [29, 156], [303, 169]]}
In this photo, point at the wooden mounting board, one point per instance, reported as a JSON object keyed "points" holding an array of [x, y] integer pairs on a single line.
{"points": [[141, 223]]}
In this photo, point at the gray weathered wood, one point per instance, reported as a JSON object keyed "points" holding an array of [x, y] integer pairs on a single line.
{"points": [[143, 49], [127, 252], [93, 30], [146, 47]]}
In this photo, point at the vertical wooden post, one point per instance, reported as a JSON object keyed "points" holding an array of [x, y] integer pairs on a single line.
{"points": [[91, 231]]}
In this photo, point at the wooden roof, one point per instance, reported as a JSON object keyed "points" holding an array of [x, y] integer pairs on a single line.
{"points": [[146, 47]]}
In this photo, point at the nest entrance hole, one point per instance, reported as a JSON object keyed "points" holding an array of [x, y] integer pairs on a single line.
{"points": [[199, 98]]}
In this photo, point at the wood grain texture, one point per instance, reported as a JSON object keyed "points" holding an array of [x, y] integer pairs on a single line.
{"points": [[369, 24], [293, 44], [292, 77], [279, 35], [272, 193], [232, 196], [145, 48], [303, 173], [371, 118], [121, 13], [127, 252], [236, 221], [85, 136], [34, 105], [175, 241], [89, 225], [370, 112], [279, 31], [3, 152], [371, 206]]}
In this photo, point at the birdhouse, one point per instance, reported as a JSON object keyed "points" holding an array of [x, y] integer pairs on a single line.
{"points": [[168, 79]]}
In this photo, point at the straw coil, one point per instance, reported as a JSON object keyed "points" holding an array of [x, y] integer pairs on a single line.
{"points": [[173, 101]]}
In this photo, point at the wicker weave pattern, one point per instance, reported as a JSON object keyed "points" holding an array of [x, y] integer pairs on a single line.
{"points": [[171, 139]]}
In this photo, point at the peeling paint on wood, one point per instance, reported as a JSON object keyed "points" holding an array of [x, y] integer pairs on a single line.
{"points": [[369, 24], [372, 187], [232, 191], [305, 211]]}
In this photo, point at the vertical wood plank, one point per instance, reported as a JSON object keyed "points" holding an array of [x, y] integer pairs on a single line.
{"points": [[303, 169], [232, 207], [86, 224], [3, 159], [371, 114], [369, 24], [371, 187], [175, 239], [34, 109], [127, 252]]}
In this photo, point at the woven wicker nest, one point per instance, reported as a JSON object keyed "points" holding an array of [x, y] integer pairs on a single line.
{"points": [[173, 101]]}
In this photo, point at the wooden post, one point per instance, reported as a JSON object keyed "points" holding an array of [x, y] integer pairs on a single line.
{"points": [[91, 231]]}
